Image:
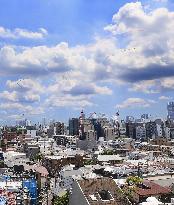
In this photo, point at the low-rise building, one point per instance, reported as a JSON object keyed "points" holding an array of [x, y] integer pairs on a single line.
{"points": [[96, 192]]}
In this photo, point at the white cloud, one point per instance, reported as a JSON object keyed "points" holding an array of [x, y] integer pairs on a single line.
{"points": [[167, 83], [25, 85], [18, 33], [75, 74], [69, 101], [13, 106], [15, 117], [148, 54], [164, 98], [148, 86], [22, 91], [134, 103], [5, 95]]}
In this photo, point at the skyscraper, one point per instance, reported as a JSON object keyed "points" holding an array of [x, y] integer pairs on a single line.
{"points": [[74, 126], [170, 110]]}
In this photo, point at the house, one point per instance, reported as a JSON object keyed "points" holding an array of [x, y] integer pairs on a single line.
{"points": [[55, 163], [112, 159], [97, 191], [151, 189]]}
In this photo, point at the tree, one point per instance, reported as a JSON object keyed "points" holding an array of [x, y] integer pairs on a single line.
{"points": [[63, 200], [108, 152], [89, 162], [134, 180], [38, 157]]}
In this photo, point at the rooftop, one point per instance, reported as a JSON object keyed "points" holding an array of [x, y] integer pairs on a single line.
{"points": [[102, 191], [152, 189], [105, 158]]}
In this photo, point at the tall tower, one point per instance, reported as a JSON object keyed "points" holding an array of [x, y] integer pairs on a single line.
{"points": [[81, 124], [170, 110], [116, 123]]}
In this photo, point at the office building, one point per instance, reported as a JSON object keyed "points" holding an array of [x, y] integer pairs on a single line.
{"points": [[74, 126], [170, 110]]}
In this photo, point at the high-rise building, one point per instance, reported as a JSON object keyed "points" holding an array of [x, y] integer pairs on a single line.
{"points": [[140, 132], [74, 126], [59, 128], [131, 130], [151, 130], [145, 117], [44, 121], [170, 110], [130, 119]]}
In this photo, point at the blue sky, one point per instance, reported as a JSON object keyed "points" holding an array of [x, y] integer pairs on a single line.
{"points": [[58, 57]]}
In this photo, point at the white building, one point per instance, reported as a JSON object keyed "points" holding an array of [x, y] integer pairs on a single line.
{"points": [[12, 158], [159, 131], [32, 133], [109, 133], [67, 176], [167, 132]]}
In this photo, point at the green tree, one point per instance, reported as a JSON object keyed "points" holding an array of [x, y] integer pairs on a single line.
{"points": [[108, 152], [38, 157], [134, 180], [63, 200], [129, 192], [89, 162]]}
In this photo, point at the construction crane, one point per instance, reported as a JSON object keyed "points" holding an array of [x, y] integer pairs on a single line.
{"points": [[92, 115]]}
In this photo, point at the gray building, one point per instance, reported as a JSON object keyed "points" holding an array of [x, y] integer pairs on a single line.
{"points": [[170, 110], [151, 130], [74, 126]]}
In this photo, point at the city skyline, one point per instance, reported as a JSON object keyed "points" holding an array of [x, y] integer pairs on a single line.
{"points": [[59, 57]]}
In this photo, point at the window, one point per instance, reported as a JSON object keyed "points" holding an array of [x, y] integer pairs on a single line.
{"points": [[105, 195]]}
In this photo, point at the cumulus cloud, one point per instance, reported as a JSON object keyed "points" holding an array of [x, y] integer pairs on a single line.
{"points": [[22, 91], [19, 97], [13, 106], [18, 33], [167, 83], [24, 85], [148, 54], [89, 89], [151, 34], [134, 103], [9, 96], [148, 87], [74, 74], [20, 109], [164, 98], [36, 61], [76, 102]]}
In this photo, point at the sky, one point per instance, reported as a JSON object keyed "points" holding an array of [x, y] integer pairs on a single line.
{"points": [[58, 57]]}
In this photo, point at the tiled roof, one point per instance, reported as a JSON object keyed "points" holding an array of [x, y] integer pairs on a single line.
{"points": [[10, 197], [153, 189], [92, 187], [38, 168]]}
